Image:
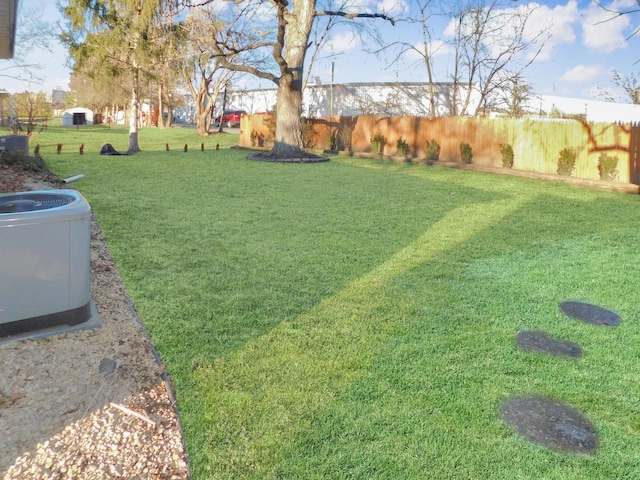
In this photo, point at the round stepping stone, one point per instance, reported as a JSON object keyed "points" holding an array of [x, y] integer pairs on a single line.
{"points": [[550, 424], [541, 342], [590, 313], [107, 366]]}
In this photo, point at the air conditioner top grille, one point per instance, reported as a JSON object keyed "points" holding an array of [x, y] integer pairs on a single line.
{"points": [[30, 202]]}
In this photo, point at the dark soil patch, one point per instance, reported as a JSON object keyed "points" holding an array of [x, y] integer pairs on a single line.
{"points": [[541, 342], [306, 158], [17, 178], [27, 162], [590, 313], [550, 424]]}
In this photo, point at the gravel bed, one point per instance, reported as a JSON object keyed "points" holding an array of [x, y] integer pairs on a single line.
{"points": [[91, 404]]}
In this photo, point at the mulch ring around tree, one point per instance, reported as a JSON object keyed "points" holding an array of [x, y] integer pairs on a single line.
{"points": [[541, 342], [550, 424], [590, 313], [303, 158]]}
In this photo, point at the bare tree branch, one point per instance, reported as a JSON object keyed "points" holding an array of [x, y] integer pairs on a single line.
{"points": [[351, 16], [617, 14]]}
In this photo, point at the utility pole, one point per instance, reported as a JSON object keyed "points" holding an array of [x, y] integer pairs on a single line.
{"points": [[331, 91]]}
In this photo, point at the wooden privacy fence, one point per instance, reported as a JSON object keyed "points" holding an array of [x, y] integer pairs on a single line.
{"points": [[536, 143]]}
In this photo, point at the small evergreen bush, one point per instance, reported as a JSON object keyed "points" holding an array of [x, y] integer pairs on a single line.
{"points": [[507, 155], [345, 133], [402, 146], [377, 143], [433, 150], [466, 154], [566, 162], [257, 138], [607, 167], [333, 141], [308, 140]]}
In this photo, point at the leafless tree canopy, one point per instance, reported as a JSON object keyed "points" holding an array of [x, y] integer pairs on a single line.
{"points": [[33, 32], [270, 40], [490, 45], [627, 85]]}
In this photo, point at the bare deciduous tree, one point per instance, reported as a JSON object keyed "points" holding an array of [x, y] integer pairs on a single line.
{"points": [[200, 70], [271, 41], [167, 42], [98, 94], [491, 45], [28, 110], [629, 85], [512, 98], [424, 51]]}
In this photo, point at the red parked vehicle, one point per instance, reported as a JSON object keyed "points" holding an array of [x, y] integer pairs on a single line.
{"points": [[230, 118]]}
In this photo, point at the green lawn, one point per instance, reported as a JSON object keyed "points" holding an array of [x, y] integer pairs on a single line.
{"points": [[356, 318]]}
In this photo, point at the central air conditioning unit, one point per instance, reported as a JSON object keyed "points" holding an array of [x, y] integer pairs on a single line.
{"points": [[45, 263], [15, 143]]}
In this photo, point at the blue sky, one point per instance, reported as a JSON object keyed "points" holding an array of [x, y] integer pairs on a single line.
{"points": [[583, 47], [585, 44]]}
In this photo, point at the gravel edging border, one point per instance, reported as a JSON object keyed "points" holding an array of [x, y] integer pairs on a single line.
{"points": [[95, 403]]}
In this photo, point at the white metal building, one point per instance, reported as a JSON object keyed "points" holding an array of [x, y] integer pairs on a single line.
{"points": [[352, 99]]}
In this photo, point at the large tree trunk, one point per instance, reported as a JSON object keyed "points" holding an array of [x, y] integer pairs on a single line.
{"points": [[169, 122], [133, 118], [288, 141], [203, 114], [203, 108], [224, 107], [160, 120]]}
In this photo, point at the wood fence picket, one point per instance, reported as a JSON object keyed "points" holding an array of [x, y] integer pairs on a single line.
{"points": [[536, 142]]}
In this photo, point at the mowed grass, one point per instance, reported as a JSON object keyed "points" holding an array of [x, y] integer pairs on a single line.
{"points": [[356, 318]]}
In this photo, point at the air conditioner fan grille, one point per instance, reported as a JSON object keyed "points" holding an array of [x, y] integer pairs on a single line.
{"points": [[30, 202]]}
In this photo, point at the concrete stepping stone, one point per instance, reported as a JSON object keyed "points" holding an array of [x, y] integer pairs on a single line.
{"points": [[550, 424], [107, 366], [541, 342], [590, 313]]}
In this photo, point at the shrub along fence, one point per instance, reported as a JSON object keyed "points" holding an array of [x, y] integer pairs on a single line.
{"points": [[536, 144]]}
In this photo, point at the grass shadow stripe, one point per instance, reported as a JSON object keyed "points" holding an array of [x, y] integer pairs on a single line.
{"points": [[259, 398]]}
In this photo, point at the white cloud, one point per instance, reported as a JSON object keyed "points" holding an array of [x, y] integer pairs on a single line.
{"points": [[581, 73], [439, 48], [392, 7], [359, 6], [602, 29], [389, 7], [415, 53], [450, 29], [553, 26], [342, 42], [218, 6], [557, 22]]}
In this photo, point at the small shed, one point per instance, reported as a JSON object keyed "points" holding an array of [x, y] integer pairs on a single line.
{"points": [[77, 116]]}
